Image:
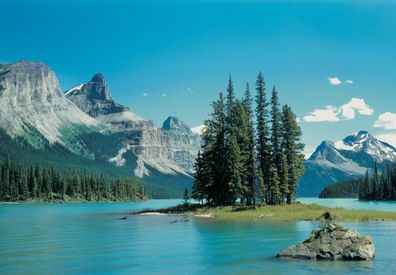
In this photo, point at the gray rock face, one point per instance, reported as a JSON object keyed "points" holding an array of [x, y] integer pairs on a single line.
{"points": [[332, 242], [30, 98], [94, 97], [87, 122], [175, 124], [170, 149]]}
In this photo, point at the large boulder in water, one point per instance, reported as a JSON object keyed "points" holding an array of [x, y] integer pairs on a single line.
{"points": [[332, 242]]}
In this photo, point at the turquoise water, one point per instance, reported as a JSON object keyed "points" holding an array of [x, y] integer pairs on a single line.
{"points": [[90, 238], [353, 204]]}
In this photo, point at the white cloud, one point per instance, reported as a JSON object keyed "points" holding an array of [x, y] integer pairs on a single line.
{"points": [[355, 105], [388, 138], [335, 81], [329, 113], [386, 120], [163, 94], [344, 112], [145, 94]]}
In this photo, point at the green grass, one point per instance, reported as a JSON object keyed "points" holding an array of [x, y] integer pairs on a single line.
{"points": [[281, 213]]}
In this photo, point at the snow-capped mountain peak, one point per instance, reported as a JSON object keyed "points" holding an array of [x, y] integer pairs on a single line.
{"points": [[362, 141], [345, 159]]}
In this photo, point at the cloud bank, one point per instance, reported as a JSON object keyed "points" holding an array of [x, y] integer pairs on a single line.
{"points": [[344, 112], [388, 138], [386, 120]]}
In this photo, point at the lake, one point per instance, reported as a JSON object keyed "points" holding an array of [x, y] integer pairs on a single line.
{"points": [[85, 238]]}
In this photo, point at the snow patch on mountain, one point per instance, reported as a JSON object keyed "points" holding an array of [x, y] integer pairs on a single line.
{"points": [[199, 129], [119, 159], [141, 169]]}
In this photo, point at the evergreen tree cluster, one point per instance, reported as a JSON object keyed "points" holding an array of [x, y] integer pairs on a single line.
{"points": [[343, 189], [379, 187], [249, 154], [20, 183]]}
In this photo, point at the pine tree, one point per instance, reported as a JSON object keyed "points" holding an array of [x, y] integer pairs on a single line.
{"points": [[235, 166], [200, 179], [186, 196], [284, 177], [243, 134], [365, 190], [275, 130], [263, 150], [275, 194], [375, 183], [261, 190], [251, 147], [293, 149], [214, 154]]}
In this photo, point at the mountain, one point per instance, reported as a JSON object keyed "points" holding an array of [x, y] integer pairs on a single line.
{"points": [[170, 150], [33, 107], [345, 159], [84, 128]]}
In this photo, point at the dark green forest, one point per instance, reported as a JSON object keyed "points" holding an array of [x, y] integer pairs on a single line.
{"points": [[343, 189], [251, 153], [58, 157], [378, 186], [37, 183]]}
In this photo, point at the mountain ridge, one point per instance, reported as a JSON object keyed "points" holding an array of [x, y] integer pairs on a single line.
{"points": [[86, 122], [345, 159]]}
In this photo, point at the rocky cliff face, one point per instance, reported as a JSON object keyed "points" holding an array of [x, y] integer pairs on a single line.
{"points": [[32, 102], [170, 149], [88, 126]]}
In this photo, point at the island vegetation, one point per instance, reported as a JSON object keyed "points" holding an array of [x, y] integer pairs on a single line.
{"points": [[36, 183], [249, 157], [378, 186], [273, 213]]}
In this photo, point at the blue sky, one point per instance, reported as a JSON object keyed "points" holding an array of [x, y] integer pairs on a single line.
{"points": [[166, 58]]}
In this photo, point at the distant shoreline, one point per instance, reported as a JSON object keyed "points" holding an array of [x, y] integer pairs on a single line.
{"points": [[62, 201]]}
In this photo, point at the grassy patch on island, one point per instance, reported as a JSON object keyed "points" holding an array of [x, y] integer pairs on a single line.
{"points": [[279, 213]]}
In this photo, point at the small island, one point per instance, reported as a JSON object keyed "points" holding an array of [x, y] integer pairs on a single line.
{"points": [[273, 213]]}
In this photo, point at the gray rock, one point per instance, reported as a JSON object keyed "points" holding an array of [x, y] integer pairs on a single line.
{"points": [[175, 124], [32, 102], [332, 242], [170, 149]]}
